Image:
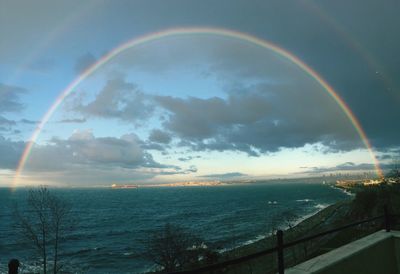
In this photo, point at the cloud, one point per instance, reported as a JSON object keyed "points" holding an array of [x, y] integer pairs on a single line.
{"points": [[259, 119], [86, 159], [118, 99], [72, 121], [83, 150], [159, 136], [188, 158], [385, 157], [10, 152], [256, 118], [348, 166], [331, 38], [225, 176], [9, 98], [191, 169], [268, 104], [27, 121], [6, 124], [358, 69], [9, 103], [197, 118], [84, 62], [155, 146]]}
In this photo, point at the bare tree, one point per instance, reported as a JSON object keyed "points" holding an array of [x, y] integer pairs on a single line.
{"points": [[44, 224], [174, 247]]}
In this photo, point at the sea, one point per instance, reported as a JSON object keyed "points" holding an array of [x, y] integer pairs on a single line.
{"points": [[111, 226]]}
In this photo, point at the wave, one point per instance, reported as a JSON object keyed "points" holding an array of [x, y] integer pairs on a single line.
{"points": [[321, 206], [256, 239], [304, 200], [348, 193], [318, 208]]}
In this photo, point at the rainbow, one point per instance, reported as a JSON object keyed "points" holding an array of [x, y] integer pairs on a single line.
{"points": [[373, 63], [195, 31]]}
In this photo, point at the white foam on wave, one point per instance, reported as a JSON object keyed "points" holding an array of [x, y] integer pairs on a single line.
{"points": [[344, 191], [318, 208], [256, 239], [321, 206], [304, 200]]}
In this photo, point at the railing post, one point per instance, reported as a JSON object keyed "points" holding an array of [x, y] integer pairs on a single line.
{"points": [[387, 218], [13, 265], [281, 264]]}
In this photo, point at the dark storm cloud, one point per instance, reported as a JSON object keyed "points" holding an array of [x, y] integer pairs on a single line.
{"points": [[353, 45], [254, 119], [336, 38], [290, 117], [259, 120], [196, 118]]}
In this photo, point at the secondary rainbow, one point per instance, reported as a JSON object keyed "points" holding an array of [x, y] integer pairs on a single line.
{"points": [[195, 31]]}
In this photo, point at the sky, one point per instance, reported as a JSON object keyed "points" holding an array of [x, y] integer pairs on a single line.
{"points": [[190, 106]]}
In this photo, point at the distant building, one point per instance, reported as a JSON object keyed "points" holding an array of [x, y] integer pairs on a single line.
{"points": [[372, 182]]}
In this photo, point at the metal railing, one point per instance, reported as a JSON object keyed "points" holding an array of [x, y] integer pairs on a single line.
{"points": [[281, 246]]}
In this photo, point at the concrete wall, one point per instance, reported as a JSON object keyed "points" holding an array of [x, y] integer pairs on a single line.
{"points": [[374, 254]]}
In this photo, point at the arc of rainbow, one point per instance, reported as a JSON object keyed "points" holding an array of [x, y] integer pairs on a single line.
{"points": [[191, 31], [373, 63]]}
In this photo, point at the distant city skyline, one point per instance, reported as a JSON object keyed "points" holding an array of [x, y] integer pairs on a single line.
{"points": [[200, 106]]}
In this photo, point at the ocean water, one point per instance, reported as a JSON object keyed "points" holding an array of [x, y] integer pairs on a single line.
{"points": [[112, 225]]}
